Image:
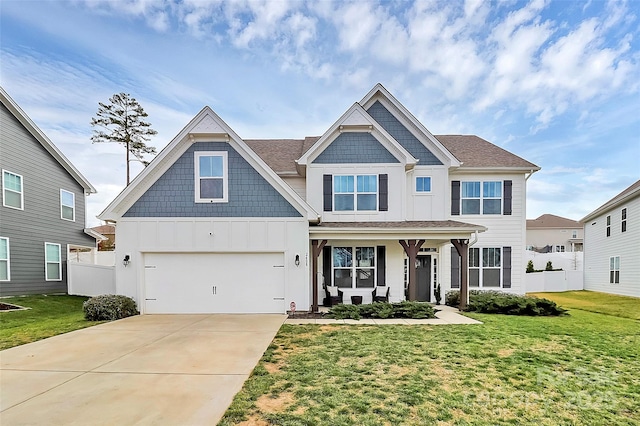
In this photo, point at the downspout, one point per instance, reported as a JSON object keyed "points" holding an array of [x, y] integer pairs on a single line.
{"points": [[475, 239]]}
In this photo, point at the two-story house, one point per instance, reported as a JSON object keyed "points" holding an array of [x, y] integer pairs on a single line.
{"points": [[612, 245], [221, 224], [554, 234], [42, 210]]}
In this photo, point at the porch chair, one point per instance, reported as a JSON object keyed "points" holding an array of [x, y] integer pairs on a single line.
{"points": [[377, 294], [333, 295]]}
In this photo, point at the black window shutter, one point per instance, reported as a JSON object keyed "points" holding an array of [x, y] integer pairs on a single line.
{"points": [[327, 188], [455, 268], [381, 266], [326, 264], [506, 267], [507, 197], [383, 184], [455, 197]]}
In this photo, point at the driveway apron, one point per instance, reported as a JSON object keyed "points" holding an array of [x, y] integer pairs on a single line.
{"points": [[149, 369]]}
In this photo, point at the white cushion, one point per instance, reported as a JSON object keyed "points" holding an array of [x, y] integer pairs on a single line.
{"points": [[333, 290], [381, 291]]}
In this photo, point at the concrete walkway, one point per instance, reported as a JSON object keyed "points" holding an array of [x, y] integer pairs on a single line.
{"points": [[150, 369], [445, 315]]}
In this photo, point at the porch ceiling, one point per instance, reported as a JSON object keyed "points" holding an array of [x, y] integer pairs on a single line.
{"points": [[443, 230]]}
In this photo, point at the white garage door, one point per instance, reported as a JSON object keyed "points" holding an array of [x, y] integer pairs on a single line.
{"points": [[214, 283]]}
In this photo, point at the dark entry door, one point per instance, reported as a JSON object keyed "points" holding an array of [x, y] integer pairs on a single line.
{"points": [[423, 272]]}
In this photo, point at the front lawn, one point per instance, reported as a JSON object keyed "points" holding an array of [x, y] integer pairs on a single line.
{"points": [[48, 316], [578, 369], [593, 301]]}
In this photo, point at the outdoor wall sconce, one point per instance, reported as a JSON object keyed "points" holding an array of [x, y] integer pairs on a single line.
{"points": [[126, 260], [297, 261]]}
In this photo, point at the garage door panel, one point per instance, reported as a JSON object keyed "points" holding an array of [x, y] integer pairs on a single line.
{"points": [[214, 283]]}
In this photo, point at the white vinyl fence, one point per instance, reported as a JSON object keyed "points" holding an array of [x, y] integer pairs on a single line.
{"points": [[85, 279], [570, 278]]}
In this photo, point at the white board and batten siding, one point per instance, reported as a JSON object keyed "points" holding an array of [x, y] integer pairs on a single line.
{"points": [[598, 249], [225, 265]]}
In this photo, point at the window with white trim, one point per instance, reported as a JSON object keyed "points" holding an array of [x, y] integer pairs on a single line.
{"points": [[5, 260], [624, 220], [52, 262], [574, 234], [359, 192], [485, 267], [423, 184], [481, 197], [614, 270], [12, 190], [67, 205], [351, 271], [608, 226], [211, 177], [559, 249]]}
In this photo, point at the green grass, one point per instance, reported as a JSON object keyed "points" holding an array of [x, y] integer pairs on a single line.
{"points": [[593, 301], [578, 369], [48, 316]]}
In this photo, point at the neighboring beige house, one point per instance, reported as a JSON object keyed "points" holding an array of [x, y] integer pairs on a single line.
{"points": [[109, 231], [612, 245], [554, 234]]}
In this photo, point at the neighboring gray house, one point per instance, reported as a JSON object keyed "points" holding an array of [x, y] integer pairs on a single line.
{"points": [[612, 245], [42, 207]]}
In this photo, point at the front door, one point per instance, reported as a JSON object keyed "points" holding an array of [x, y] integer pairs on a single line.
{"points": [[423, 275]]}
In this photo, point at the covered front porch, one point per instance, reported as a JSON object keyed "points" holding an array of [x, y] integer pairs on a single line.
{"points": [[400, 259]]}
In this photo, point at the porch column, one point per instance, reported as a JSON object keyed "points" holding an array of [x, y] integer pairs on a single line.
{"points": [[316, 247], [462, 246], [411, 248]]}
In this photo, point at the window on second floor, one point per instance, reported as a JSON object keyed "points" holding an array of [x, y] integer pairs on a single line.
{"points": [[423, 184], [481, 197], [67, 205], [211, 177], [358, 193], [624, 220], [12, 190], [574, 234], [608, 226]]}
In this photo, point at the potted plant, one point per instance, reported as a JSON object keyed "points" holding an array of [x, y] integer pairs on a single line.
{"points": [[437, 293]]}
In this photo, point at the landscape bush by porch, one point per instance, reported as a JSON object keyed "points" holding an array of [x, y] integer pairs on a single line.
{"points": [[109, 307], [416, 310], [496, 302]]}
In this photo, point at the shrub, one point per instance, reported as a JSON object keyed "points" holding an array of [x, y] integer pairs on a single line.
{"points": [[530, 267], [383, 310], [109, 307], [549, 266], [496, 302]]}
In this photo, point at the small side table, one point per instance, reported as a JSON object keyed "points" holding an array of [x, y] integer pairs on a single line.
{"points": [[356, 300]]}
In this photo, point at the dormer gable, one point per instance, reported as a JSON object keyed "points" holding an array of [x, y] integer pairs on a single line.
{"points": [[385, 109], [355, 138]]}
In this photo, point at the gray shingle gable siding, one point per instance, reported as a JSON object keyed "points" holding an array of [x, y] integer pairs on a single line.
{"points": [[355, 148], [250, 195], [40, 221], [402, 135]]}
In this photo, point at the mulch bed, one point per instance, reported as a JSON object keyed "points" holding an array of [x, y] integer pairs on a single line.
{"points": [[8, 307]]}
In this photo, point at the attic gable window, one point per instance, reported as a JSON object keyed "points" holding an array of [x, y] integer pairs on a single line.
{"points": [[211, 177]]}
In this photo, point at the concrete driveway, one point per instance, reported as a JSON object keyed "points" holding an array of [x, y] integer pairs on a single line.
{"points": [[149, 369]]}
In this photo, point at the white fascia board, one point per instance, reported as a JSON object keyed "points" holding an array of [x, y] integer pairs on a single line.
{"points": [[472, 170], [392, 234], [98, 236], [217, 131], [407, 119], [35, 131], [610, 205], [343, 124]]}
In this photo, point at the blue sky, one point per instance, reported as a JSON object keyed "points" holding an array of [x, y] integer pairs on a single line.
{"points": [[556, 82]]}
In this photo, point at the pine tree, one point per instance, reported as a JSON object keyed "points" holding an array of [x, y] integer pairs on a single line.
{"points": [[122, 121]]}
